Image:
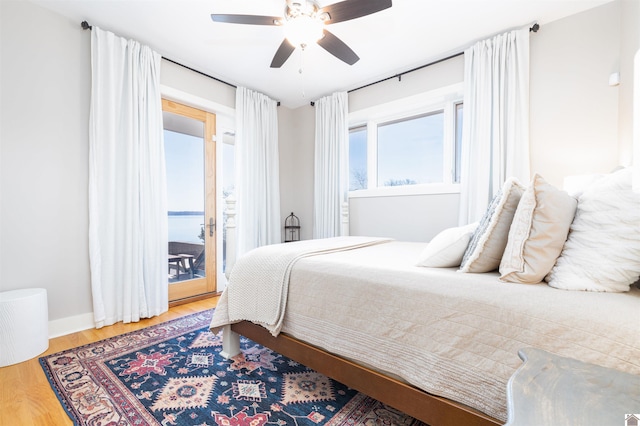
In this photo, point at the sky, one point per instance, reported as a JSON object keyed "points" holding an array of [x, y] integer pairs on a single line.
{"points": [[357, 158], [409, 149], [184, 156]]}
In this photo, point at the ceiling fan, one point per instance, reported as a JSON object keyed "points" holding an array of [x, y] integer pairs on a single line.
{"points": [[304, 22]]}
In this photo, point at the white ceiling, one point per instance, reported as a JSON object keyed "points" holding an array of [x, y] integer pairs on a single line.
{"points": [[409, 34]]}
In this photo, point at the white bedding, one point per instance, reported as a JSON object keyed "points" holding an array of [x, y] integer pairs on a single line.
{"points": [[261, 278], [452, 334]]}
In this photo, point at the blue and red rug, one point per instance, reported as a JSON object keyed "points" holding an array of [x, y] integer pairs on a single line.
{"points": [[173, 374]]}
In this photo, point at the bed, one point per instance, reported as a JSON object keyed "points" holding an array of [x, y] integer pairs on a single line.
{"points": [[435, 343], [440, 341]]}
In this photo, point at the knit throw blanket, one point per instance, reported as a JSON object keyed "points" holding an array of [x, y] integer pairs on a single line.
{"points": [[259, 281]]}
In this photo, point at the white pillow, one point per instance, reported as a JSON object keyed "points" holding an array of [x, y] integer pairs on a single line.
{"points": [[490, 238], [602, 252], [538, 232], [447, 248]]}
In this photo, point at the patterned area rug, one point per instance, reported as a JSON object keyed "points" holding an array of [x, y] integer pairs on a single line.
{"points": [[173, 374]]}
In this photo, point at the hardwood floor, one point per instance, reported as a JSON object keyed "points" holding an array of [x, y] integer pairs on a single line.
{"points": [[26, 398]]}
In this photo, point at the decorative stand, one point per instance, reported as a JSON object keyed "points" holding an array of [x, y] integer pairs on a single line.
{"points": [[291, 228]]}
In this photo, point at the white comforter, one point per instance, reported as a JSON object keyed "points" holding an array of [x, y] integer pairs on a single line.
{"points": [[451, 334], [259, 282]]}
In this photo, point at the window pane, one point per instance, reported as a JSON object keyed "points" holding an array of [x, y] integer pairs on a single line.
{"points": [[184, 156], [411, 151], [228, 165], [458, 144], [357, 158]]}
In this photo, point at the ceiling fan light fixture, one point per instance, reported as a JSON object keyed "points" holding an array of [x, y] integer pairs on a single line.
{"points": [[303, 30], [304, 24]]}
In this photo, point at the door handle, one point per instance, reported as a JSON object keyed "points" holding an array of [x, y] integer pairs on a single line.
{"points": [[212, 226]]}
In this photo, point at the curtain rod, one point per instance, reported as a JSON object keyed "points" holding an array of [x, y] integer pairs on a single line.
{"points": [[534, 28], [399, 76], [85, 26]]}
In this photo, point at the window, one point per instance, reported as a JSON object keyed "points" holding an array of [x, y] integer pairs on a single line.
{"points": [[458, 145], [191, 199], [410, 150], [358, 158], [411, 146]]}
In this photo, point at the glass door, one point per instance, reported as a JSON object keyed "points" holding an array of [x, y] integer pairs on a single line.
{"points": [[190, 161]]}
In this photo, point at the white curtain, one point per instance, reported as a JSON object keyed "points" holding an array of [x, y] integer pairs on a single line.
{"points": [[331, 163], [127, 183], [495, 135], [257, 171]]}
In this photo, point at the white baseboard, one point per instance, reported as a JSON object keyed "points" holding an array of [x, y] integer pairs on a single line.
{"points": [[68, 325]]}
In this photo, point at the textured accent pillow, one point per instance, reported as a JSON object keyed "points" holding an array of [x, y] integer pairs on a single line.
{"points": [[490, 238], [602, 252], [447, 248], [538, 232]]}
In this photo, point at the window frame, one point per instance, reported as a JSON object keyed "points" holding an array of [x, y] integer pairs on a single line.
{"points": [[443, 99]]}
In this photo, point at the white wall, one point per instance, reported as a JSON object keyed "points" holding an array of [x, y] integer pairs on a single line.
{"points": [[45, 93], [44, 128], [574, 111], [630, 43], [405, 218], [296, 147]]}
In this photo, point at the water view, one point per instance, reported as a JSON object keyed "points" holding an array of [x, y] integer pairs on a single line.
{"points": [[185, 226]]}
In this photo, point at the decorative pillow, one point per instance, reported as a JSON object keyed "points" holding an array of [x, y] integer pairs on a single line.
{"points": [[447, 248], [538, 232], [602, 252], [490, 237]]}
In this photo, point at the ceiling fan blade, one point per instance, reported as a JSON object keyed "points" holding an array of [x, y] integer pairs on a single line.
{"points": [[352, 9], [246, 19], [282, 54], [338, 48]]}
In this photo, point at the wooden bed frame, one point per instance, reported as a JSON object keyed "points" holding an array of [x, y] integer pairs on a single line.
{"points": [[417, 403], [431, 409]]}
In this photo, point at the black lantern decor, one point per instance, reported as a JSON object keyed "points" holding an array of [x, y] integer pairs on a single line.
{"points": [[291, 228]]}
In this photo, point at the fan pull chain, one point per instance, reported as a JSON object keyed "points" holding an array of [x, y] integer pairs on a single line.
{"points": [[300, 70], [301, 58]]}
